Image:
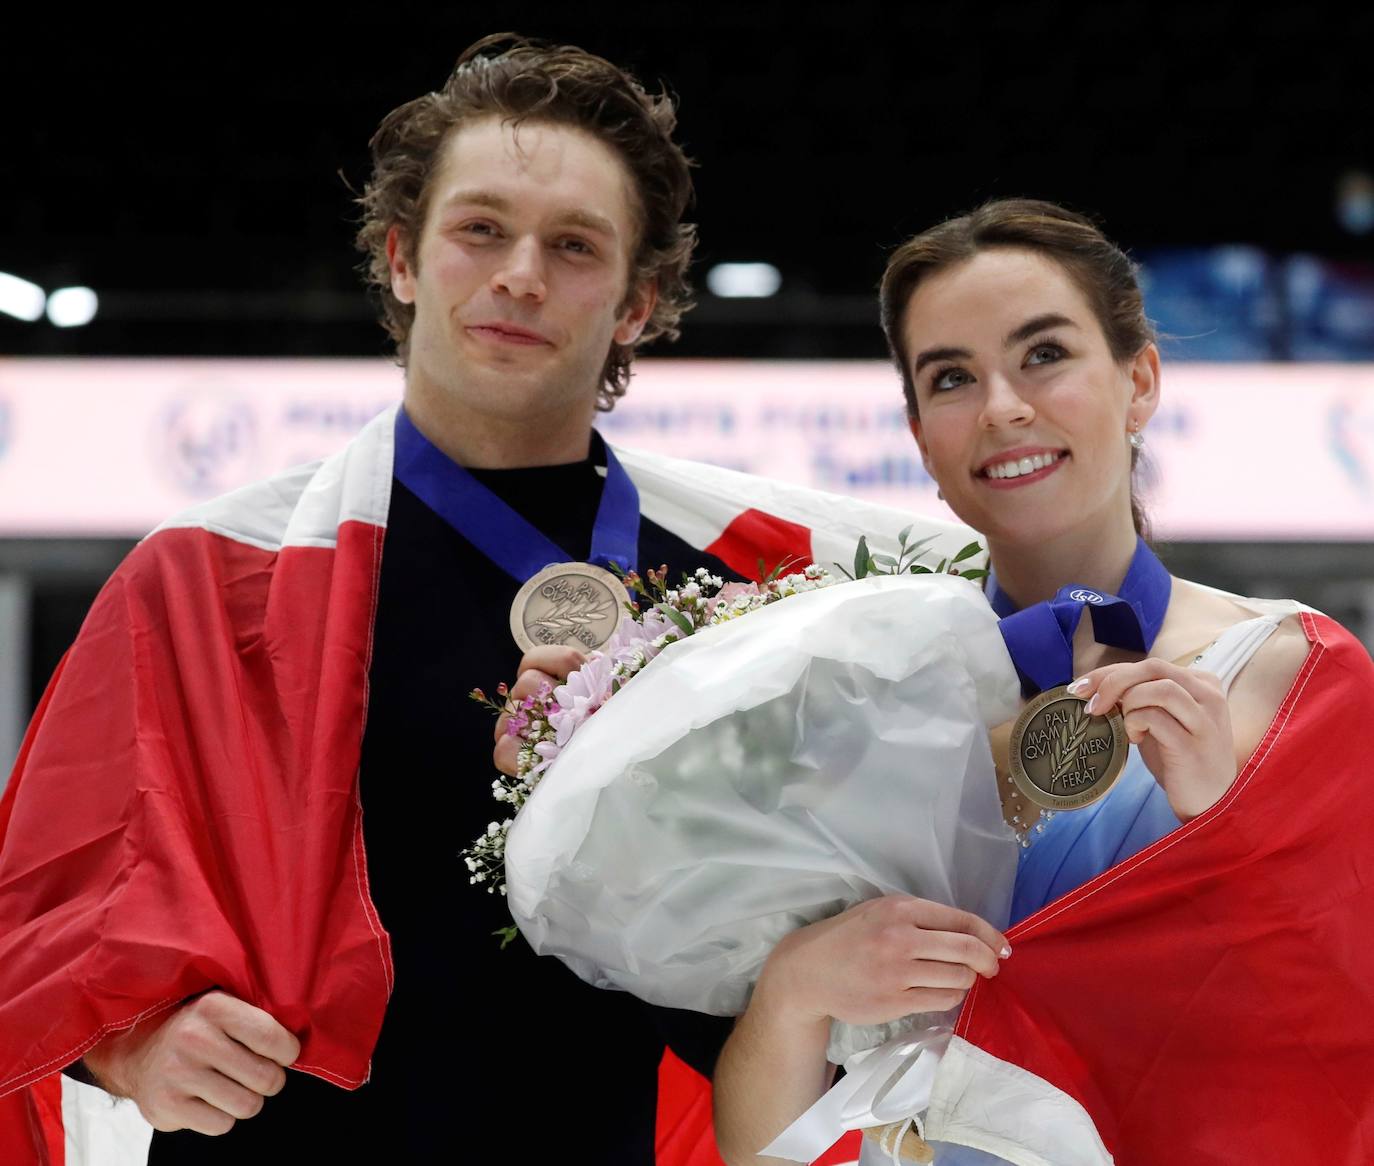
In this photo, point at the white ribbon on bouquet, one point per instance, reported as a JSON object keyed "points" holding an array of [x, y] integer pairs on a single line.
{"points": [[887, 1084]]}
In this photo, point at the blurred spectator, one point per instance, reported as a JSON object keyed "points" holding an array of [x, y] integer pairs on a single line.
{"points": [[1330, 309], [1214, 303]]}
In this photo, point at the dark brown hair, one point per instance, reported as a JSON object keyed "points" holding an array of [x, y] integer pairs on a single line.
{"points": [[522, 80], [1098, 267]]}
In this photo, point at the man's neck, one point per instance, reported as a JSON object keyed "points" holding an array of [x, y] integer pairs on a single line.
{"points": [[479, 441]]}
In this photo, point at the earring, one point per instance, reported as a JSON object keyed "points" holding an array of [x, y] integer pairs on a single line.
{"points": [[940, 494], [1137, 439]]}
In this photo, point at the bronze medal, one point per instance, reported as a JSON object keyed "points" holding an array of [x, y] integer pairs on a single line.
{"points": [[576, 604], [1061, 758]]}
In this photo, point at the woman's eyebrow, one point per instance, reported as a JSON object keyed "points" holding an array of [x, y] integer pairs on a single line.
{"points": [[1037, 324], [933, 354]]}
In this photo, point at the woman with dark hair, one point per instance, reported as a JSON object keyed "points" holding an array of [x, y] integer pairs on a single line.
{"points": [[1031, 376]]}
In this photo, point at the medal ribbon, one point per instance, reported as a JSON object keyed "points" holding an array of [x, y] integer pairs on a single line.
{"points": [[1040, 637], [506, 537]]}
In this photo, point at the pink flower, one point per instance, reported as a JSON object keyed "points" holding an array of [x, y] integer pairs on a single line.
{"points": [[728, 594], [548, 751], [630, 634], [580, 695]]}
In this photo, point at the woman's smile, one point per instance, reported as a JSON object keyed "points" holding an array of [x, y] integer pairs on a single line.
{"points": [[1019, 467]]}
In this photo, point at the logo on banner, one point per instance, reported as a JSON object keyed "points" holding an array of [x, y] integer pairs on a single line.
{"points": [[1082, 596], [1346, 430], [208, 443]]}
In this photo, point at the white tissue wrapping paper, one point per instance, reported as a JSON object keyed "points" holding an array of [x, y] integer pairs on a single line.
{"points": [[767, 773]]}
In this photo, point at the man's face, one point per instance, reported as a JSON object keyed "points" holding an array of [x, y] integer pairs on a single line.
{"points": [[520, 275]]}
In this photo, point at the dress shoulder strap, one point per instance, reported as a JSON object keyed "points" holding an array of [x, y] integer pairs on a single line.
{"points": [[1231, 651]]}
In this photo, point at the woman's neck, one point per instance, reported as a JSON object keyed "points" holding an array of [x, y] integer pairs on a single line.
{"points": [[1032, 573]]}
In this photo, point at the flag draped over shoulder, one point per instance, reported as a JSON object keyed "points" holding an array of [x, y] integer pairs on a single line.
{"points": [[1210, 1000], [197, 752]]}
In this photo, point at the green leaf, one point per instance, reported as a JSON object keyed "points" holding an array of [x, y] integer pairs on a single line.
{"points": [[882, 560], [508, 935], [918, 569], [843, 572], [974, 573], [911, 552], [683, 623], [904, 534], [783, 567], [861, 558], [968, 552], [943, 564]]}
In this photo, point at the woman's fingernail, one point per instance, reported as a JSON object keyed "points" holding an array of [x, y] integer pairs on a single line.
{"points": [[1092, 704], [1005, 952], [1078, 685]]}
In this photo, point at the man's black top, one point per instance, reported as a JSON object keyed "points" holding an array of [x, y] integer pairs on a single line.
{"points": [[485, 1054]]}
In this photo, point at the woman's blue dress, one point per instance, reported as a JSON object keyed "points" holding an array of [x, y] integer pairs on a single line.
{"points": [[1074, 848]]}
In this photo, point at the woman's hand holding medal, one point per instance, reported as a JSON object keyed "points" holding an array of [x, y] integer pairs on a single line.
{"points": [[1179, 720]]}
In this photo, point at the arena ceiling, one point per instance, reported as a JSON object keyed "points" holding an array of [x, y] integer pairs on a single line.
{"points": [[195, 170]]}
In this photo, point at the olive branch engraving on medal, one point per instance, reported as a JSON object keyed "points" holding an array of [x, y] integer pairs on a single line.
{"points": [[568, 603], [1061, 758], [567, 615], [1064, 758]]}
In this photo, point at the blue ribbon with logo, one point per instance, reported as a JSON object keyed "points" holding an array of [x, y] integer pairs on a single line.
{"points": [[506, 538], [1040, 637]]}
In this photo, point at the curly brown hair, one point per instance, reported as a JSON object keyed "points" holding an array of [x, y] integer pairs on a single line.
{"points": [[521, 80]]}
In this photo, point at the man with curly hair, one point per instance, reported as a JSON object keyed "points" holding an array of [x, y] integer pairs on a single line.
{"points": [[523, 229]]}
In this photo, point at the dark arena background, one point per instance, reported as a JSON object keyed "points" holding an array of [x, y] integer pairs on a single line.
{"points": [[196, 173]]}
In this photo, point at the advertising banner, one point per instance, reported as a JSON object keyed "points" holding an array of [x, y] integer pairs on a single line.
{"points": [[111, 447]]}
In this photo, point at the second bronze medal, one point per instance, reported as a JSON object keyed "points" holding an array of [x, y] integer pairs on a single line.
{"points": [[1061, 758]]}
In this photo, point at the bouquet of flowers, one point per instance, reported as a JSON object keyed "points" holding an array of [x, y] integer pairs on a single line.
{"points": [[545, 722], [762, 774]]}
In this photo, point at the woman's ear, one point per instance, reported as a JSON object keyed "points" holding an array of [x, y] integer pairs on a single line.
{"points": [[1144, 372], [915, 423]]}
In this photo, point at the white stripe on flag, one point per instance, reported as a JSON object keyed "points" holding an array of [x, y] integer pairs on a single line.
{"points": [[101, 1131], [993, 1105]]}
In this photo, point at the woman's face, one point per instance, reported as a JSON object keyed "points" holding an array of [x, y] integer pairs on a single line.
{"points": [[1023, 414]]}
